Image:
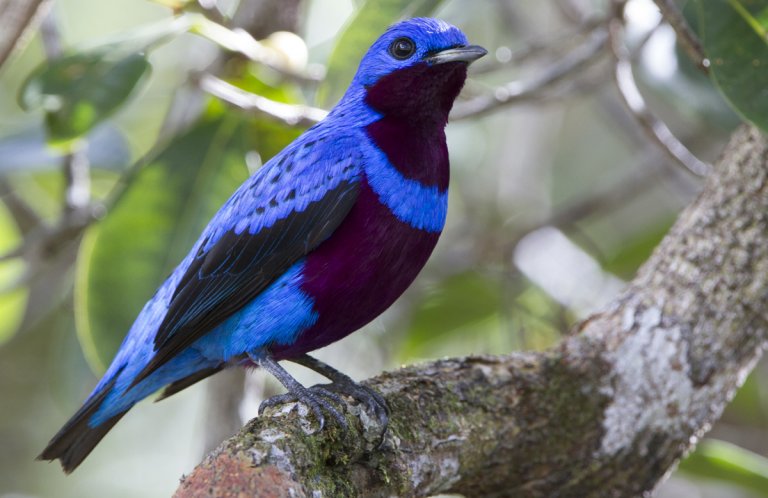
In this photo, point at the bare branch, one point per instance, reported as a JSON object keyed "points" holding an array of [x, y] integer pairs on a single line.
{"points": [[18, 17], [50, 34], [517, 91], [288, 114], [240, 41], [77, 174], [211, 10], [655, 128], [536, 47], [687, 39], [17, 252], [75, 165], [25, 217]]}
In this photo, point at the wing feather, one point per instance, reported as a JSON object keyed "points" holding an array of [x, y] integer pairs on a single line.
{"points": [[232, 266]]}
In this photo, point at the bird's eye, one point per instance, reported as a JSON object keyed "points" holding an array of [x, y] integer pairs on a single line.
{"points": [[402, 48]]}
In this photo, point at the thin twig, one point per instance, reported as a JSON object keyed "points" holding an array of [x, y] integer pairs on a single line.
{"points": [[289, 114], [24, 215], [516, 91], [655, 128], [687, 39], [50, 35], [77, 175], [42, 241], [240, 41], [18, 19], [14, 253], [535, 48], [210, 9], [75, 165]]}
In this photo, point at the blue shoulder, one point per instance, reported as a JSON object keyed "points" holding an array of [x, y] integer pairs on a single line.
{"points": [[303, 173]]}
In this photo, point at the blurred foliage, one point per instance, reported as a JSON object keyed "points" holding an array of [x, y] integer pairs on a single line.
{"points": [[714, 459], [159, 214], [460, 304], [150, 229], [520, 168], [79, 91], [13, 297], [735, 38]]}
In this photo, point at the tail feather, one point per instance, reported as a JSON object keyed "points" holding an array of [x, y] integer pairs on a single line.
{"points": [[77, 438], [187, 381]]}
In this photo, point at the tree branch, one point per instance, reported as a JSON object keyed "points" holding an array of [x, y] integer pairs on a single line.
{"points": [[687, 39], [605, 413], [18, 16], [630, 94], [516, 91], [288, 114]]}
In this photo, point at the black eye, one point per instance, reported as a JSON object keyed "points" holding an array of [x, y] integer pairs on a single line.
{"points": [[402, 48]]}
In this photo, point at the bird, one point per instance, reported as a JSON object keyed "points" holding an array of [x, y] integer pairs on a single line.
{"points": [[315, 244]]}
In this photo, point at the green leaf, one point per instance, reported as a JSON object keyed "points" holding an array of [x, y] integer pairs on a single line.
{"points": [[81, 90], [623, 260], [13, 299], [735, 38], [725, 461], [150, 229], [367, 24], [458, 303]]}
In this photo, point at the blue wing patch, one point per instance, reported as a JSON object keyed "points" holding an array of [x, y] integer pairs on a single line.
{"points": [[279, 215]]}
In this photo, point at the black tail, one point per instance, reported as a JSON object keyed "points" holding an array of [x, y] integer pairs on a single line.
{"points": [[77, 439]]}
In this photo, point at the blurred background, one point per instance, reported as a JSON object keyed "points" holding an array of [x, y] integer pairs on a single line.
{"points": [[120, 135]]}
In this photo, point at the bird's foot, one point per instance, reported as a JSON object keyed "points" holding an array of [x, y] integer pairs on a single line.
{"points": [[317, 398], [343, 384], [369, 398], [321, 398]]}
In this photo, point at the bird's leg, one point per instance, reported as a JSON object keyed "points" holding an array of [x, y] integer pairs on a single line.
{"points": [[315, 399], [343, 384]]}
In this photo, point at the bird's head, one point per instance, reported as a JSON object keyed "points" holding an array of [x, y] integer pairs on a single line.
{"points": [[416, 69]]}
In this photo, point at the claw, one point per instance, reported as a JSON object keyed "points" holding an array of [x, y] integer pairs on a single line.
{"points": [[342, 384], [373, 401], [313, 398], [319, 398]]}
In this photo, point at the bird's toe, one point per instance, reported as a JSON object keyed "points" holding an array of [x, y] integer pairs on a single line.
{"points": [[317, 398]]}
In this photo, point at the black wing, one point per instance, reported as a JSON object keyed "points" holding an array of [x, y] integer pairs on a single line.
{"points": [[238, 267]]}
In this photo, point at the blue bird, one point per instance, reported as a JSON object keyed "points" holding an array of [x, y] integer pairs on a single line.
{"points": [[317, 243]]}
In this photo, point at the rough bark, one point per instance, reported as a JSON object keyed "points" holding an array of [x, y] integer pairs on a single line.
{"points": [[608, 412]]}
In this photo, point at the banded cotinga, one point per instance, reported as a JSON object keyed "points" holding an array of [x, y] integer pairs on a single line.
{"points": [[317, 243]]}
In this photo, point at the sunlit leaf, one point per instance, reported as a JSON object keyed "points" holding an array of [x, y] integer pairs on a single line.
{"points": [[81, 90], [367, 24], [727, 462], [735, 38], [13, 298]]}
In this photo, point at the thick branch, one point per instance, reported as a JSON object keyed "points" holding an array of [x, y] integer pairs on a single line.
{"points": [[606, 413]]}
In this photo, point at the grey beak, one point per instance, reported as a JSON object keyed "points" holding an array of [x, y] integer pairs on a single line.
{"points": [[467, 54]]}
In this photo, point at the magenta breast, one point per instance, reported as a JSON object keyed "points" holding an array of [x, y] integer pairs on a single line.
{"points": [[359, 272]]}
